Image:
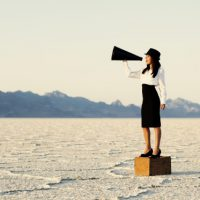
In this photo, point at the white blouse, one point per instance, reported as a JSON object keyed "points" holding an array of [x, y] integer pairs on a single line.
{"points": [[158, 80]]}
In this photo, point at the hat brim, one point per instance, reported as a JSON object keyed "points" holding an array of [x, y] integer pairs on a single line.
{"points": [[158, 58]]}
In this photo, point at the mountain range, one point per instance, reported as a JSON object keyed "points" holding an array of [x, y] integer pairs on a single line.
{"points": [[58, 104]]}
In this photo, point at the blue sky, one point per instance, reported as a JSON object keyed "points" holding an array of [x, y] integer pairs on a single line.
{"points": [[66, 45]]}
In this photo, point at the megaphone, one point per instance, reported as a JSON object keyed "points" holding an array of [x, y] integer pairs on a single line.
{"points": [[121, 54]]}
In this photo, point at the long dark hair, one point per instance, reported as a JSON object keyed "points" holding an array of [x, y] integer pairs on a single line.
{"points": [[156, 65]]}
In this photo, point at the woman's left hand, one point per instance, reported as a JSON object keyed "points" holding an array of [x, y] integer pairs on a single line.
{"points": [[162, 106]]}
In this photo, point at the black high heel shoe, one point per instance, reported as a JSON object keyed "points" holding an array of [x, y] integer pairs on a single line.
{"points": [[157, 155], [149, 153]]}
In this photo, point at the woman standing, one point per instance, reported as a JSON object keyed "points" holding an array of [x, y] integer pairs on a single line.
{"points": [[151, 77]]}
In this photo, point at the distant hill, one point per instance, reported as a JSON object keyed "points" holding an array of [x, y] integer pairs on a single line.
{"points": [[58, 104]]}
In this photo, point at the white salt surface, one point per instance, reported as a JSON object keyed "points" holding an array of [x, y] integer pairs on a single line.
{"points": [[94, 159]]}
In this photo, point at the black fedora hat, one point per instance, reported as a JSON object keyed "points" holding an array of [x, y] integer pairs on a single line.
{"points": [[154, 53]]}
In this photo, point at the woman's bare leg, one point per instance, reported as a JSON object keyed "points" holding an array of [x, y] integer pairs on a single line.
{"points": [[147, 139], [157, 139]]}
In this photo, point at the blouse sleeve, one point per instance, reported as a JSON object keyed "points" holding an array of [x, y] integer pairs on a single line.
{"points": [[132, 74], [162, 86]]}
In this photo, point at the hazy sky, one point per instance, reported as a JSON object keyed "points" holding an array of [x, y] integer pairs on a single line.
{"points": [[64, 45]]}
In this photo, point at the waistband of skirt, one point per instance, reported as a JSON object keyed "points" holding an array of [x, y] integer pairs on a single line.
{"points": [[144, 84]]}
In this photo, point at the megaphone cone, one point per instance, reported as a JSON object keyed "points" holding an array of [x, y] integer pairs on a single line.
{"points": [[121, 54]]}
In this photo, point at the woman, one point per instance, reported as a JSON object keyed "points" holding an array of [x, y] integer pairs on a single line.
{"points": [[152, 78]]}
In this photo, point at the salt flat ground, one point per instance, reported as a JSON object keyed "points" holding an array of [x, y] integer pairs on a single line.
{"points": [[52, 158]]}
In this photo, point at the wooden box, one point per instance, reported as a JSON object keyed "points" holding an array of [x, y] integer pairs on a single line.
{"points": [[146, 166]]}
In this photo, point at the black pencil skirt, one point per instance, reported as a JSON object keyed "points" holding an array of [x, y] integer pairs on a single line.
{"points": [[150, 109]]}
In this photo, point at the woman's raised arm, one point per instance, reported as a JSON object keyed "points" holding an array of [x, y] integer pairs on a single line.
{"points": [[130, 73]]}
